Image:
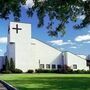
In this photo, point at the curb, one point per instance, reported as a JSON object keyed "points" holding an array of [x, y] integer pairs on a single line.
{"points": [[8, 86]]}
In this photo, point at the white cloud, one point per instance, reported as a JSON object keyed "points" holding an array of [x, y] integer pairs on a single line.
{"points": [[82, 38], [62, 49], [80, 44], [61, 42], [3, 39], [87, 42], [84, 0], [29, 4], [73, 47], [56, 42], [82, 56], [81, 17], [70, 42], [1, 50]]}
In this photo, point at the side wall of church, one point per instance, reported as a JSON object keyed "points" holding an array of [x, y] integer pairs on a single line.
{"points": [[45, 54], [75, 61]]}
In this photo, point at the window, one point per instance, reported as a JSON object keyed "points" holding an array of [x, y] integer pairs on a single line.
{"points": [[48, 66], [58, 66], [11, 42], [33, 44], [41, 66], [53, 66], [74, 66]]}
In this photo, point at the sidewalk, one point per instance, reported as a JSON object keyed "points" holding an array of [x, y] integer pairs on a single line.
{"points": [[2, 87]]}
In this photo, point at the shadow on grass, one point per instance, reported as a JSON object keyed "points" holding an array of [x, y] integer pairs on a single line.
{"points": [[52, 83]]}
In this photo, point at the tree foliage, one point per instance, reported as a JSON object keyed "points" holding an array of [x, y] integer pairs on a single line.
{"points": [[63, 11], [12, 65], [6, 64], [11, 6]]}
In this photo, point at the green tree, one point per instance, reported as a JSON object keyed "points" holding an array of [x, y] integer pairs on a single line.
{"points": [[11, 6], [6, 64], [12, 65], [63, 11]]}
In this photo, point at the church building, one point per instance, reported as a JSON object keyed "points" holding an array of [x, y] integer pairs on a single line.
{"points": [[29, 53]]}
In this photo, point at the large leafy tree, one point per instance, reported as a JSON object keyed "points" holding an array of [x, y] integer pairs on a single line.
{"points": [[63, 11]]}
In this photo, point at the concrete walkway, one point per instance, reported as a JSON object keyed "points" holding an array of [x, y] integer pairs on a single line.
{"points": [[2, 87]]}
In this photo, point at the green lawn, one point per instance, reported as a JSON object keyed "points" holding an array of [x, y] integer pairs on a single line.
{"points": [[48, 81]]}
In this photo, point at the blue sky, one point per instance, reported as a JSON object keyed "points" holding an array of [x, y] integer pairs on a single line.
{"points": [[75, 41]]}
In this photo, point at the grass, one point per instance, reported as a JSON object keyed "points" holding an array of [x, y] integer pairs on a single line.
{"points": [[48, 81]]}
